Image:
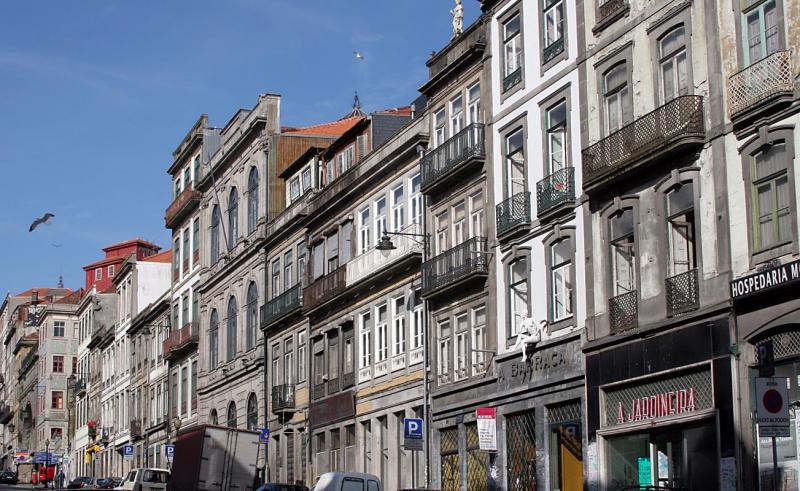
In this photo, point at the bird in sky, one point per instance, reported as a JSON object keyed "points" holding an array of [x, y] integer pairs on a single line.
{"points": [[359, 56], [46, 219]]}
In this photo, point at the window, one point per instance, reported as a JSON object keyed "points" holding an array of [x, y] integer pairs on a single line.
{"points": [[187, 177], [58, 364], [474, 104], [232, 415], [233, 217], [515, 163], [333, 355], [456, 114], [365, 323], [110, 272], [479, 341], [476, 214], [462, 335], [623, 253], [252, 413], [231, 322], [398, 208], [276, 278], [319, 363], [276, 365], [416, 199], [176, 258], [553, 23], [561, 280], [288, 267], [57, 400], [417, 326], [459, 222], [364, 231], [771, 197], [556, 121], [194, 385], [301, 262], [58, 329], [196, 239], [177, 188], [213, 340], [512, 46], [184, 403], [760, 23], [380, 217], [301, 356], [196, 168], [215, 226], [518, 273], [195, 306], [288, 361], [673, 70], [617, 98], [382, 341], [441, 232], [443, 328], [333, 251], [98, 274], [438, 127], [346, 233], [252, 316], [294, 189], [252, 200], [680, 229], [348, 358], [306, 179], [213, 418], [318, 257], [399, 326]]}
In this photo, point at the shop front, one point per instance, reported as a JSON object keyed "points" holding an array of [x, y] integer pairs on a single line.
{"points": [[659, 411]]}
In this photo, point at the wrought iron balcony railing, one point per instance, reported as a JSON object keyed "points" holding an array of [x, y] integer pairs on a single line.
{"points": [[512, 79], [513, 212], [283, 398], [623, 312], [325, 288], [763, 80], [280, 306], [136, 428], [610, 7], [682, 293], [452, 154], [180, 340], [555, 49], [80, 387], [555, 189], [468, 258], [676, 124], [183, 203], [373, 260]]}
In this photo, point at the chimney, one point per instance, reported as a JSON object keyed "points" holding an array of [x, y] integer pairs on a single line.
{"points": [[35, 297]]}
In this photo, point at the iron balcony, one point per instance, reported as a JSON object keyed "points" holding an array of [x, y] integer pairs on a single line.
{"points": [[757, 86], [283, 398], [281, 306], [441, 163], [180, 207], [682, 293], [180, 341], [555, 190], [513, 213], [455, 266]]}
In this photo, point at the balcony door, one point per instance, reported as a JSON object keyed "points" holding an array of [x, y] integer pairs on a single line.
{"points": [[515, 163], [760, 25]]}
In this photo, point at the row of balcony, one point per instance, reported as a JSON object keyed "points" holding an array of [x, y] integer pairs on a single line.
{"points": [[552, 193], [683, 296], [181, 206], [180, 341]]}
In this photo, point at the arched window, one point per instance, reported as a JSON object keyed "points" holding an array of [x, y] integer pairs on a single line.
{"points": [[252, 200], [212, 417], [252, 315], [213, 340], [252, 413], [233, 218], [215, 225], [232, 415], [231, 337]]}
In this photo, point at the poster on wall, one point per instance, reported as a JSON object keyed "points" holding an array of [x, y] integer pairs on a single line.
{"points": [[487, 428], [727, 474]]}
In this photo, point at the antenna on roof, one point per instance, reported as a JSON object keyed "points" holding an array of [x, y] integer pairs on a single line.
{"points": [[356, 111], [60, 281]]}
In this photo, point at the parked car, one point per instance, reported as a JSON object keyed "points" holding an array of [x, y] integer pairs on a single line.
{"points": [[347, 481], [84, 482], [271, 486], [145, 480], [108, 483], [8, 477]]}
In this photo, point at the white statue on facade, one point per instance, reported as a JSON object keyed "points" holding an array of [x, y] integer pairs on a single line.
{"points": [[530, 333], [458, 18]]}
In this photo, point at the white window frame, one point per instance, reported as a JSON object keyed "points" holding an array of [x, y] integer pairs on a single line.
{"points": [[365, 346], [382, 334], [398, 326], [398, 208]]}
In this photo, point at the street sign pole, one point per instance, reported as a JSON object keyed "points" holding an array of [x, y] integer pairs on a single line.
{"points": [[774, 465]]}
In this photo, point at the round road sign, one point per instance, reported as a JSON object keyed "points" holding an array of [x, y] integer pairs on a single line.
{"points": [[773, 401]]}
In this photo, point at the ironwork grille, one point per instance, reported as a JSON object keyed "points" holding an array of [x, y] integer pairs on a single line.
{"points": [[570, 411], [557, 188], [477, 461], [514, 211], [679, 118], [521, 451], [445, 158], [762, 80], [624, 312], [555, 48], [450, 266], [610, 7], [281, 305], [698, 379], [451, 473], [303, 452], [290, 457], [784, 344], [682, 293], [512, 79]]}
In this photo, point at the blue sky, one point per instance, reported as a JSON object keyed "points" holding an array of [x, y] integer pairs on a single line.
{"points": [[95, 95]]}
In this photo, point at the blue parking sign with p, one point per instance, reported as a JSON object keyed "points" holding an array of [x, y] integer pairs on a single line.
{"points": [[127, 452], [169, 451], [412, 428], [263, 435]]}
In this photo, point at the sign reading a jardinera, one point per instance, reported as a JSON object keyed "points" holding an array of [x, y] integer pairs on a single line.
{"points": [[657, 406]]}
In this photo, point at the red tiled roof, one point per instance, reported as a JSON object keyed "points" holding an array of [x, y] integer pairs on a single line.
{"points": [[72, 298], [402, 111], [103, 262], [334, 128], [163, 257], [43, 292], [136, 240], [109, 289]]}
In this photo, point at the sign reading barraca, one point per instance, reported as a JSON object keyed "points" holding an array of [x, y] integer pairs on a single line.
{"points": [[657, 406], [764, 280]]}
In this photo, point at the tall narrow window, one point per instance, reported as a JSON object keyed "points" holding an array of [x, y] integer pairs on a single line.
{"points": [[515, 163], [459, 223], [673, 64], [301, 262], [380, 217], [252, 413], [288, 270], [194, 385], [518, 294], [365, 347], [439, 127], [398, 208], [276, 278], [252, 200], [333, 251], [213, 340], [761, 28], [196, 240], [346, 233], [184, 402], [232, 415], [622, 252], [417, 332], [474, 104], [617, 98], [301, 356], [348, 355], [294, 189], [176, 259], [252, 316], [185, 309], [233, 311], [215, 231], [382, 338], [553, 24], [196, 169], [276, 364], [333, 358], [556, 121], [364, 231], [771, 197], [680, 216], [318, 259], [185, 251], [443, 328], [441, 232], [479, 343], [512, 47], [416, 199], [476, 214], [456, 114], [195, 306], [399, 326], [233, 218], [461, 348], [288, 361], [561, 280]]}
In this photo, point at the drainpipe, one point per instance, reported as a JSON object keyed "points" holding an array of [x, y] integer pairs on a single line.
{"points": [[426, 353]]}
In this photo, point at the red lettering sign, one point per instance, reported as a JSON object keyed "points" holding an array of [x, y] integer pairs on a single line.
{"points": [[657, 406]]}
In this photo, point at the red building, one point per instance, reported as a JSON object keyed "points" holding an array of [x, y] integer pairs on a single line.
{"points": [[100, 273]]}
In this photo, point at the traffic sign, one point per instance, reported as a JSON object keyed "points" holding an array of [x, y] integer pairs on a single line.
{"points": [[263, 435], [412, 433], [169, 451], [127, 452], [772, 407], [766, 358]]}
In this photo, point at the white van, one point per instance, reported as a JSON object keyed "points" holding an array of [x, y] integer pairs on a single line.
{"points": [[146, 480], [347, 481]]}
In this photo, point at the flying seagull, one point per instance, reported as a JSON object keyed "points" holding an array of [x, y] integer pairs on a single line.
{"points": [[359, 56], [47, 218]]}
